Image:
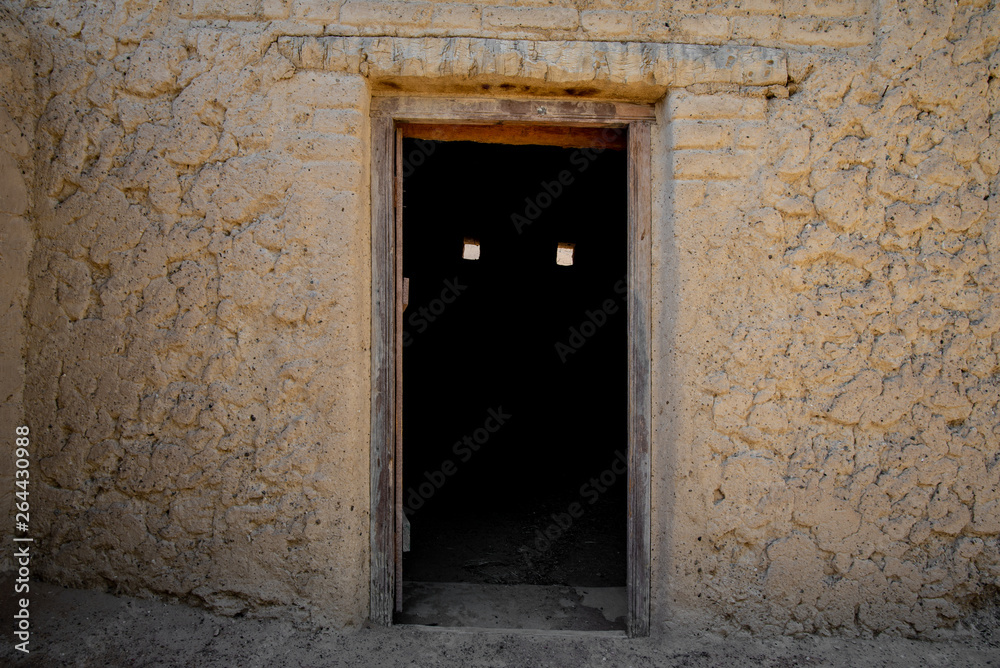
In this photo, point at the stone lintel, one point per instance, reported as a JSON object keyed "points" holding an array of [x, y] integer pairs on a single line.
{"points": [[641, 70]]}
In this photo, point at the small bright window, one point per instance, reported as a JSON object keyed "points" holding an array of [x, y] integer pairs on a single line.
{"points": [[470, 251], [564, 255]]}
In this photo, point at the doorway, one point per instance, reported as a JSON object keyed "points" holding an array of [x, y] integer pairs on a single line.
{"points": [[514, 380], [504, 121]]}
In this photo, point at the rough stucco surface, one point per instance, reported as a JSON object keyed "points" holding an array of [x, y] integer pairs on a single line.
{"points": [[834, 425], [17, 119], [198, 318], [498, 66], [825, 307]]}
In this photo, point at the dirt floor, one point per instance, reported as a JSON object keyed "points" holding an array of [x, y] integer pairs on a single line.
{"points": [[507, 546], [86, 628]]}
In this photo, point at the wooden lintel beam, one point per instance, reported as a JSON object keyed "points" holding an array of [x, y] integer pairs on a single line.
{"points": [[510, 133]]}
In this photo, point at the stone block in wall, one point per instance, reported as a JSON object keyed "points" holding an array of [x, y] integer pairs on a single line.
{"points": [[827, 32], [706, 27], [337, 121], [820, 8], [317, 11], [750, 135], [457, 17], [744, 7], [317, 146], [701, 134], [623, 5], [327, 90], [684, 105], [606, 22], [755, 27], [711, 165], [377, 13], [531, 18], [332, 174], [235, 9], [688, 195]]}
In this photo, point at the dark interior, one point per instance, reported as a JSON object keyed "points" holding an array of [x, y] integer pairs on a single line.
{"points": [[481, 336]]}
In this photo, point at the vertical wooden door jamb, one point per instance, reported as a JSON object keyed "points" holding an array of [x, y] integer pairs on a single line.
{"points": [[397, 201], [383, 370], [639, 387]]}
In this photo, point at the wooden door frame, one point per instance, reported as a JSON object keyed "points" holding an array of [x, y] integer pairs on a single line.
{"points": [[387, 113]]}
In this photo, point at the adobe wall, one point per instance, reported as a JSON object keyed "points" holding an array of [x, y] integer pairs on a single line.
{"points": [[198, 322], [17, 120], [834, 388], [825, 312]]}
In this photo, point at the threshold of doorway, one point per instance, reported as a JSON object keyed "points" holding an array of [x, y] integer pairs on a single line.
{"points": [[549, 609]]}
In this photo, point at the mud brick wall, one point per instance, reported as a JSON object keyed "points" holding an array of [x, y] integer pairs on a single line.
{"points": [[191, 232], [835, 463], [198, 320], [824, 23], [17, 120]]}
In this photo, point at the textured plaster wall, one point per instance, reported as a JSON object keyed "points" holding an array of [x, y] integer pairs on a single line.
{"points": [[17, 120], [828, 459], [198, 321], [825, 454], [827, 23]]}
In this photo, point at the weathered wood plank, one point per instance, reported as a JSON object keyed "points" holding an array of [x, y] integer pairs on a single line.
{"points": [[479, 110], [383, 386], [639, 390], [521, 134], [398, 362]]}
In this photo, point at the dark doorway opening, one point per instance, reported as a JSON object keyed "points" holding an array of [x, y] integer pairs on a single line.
{"points": [[514, 367]]}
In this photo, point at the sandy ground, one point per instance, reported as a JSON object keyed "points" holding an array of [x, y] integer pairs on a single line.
{"points": [[86, 628]]}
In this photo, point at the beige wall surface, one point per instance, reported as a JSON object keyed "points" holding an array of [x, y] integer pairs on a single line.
{"points": [[192, 220], [18, 115]]}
